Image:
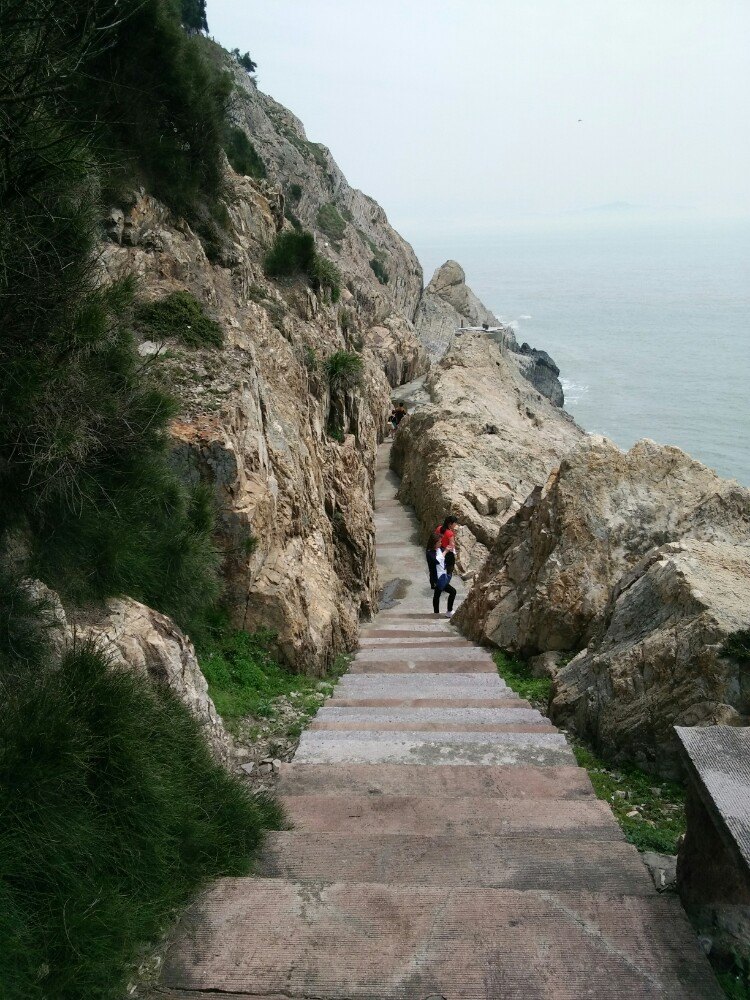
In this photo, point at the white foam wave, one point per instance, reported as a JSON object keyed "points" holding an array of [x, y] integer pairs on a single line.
{"points": [[525, 316], [574, 391]]}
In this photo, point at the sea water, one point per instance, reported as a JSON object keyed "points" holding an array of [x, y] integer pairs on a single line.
{"points": [[649, 321]]}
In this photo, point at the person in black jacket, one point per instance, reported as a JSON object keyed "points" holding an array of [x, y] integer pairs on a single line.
{"points": [[440, 581]]}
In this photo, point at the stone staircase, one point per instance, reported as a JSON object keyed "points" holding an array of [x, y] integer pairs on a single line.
{"points": [[444, 844]]}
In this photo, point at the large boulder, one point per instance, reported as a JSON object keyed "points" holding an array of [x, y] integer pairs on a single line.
{"points": [[447, 304], [638, 562], [660, 656], [484, 440]]}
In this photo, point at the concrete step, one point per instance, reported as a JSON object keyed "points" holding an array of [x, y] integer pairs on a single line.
{"points": [[420, 631], [442, 716], [432, 727], [441, 662], [365, 747], [499, 861], [423, 685], [510, 700], [435, 640], [468, 654], [454, 781], [434, 816], [359, 942]]}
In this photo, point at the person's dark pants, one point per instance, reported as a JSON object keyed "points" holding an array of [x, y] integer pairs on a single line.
{"points": [[450, 561], [450, 591]]}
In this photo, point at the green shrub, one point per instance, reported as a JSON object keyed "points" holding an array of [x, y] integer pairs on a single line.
{"points": [[517, 674], [242, 154], [344, 370], [737, 646], [295, 192], [311, 358], [335, 432], [292, 253], [180, 315], [326, 275], [113, 815], [244, 60], [659, 820], [380, 271], [331, 223]]}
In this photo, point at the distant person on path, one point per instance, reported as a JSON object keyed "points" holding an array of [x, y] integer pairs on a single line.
{"points": [[397, 415], [447, 534], [440, 578]]}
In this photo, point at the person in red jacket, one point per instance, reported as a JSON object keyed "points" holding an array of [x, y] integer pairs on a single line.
{"points": [[447, 534]]}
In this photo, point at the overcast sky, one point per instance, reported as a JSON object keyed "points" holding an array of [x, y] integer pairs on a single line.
{"points": [[468, 112]]}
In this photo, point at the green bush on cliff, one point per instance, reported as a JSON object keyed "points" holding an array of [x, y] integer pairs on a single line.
{"points": [[113, 815], [380, 271], [242, 154], [331, 222], [180, 315], [294, 253], [344, 370]]}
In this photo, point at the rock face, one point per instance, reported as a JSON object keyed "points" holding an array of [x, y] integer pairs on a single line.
{"points": [[482, 443], [642, 562], [539, 368], [139, 639], [351, 227], [446, 305], [290, 461]]}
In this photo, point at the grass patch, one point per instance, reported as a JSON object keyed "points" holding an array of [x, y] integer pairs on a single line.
{"points": [[379, 271], [519, 678], [659, 806], [294, 253], [249, 686], [331, 222], [114, 814], [180, 315], [242, 155], [295, 192], [735, 983], [344, 370]]}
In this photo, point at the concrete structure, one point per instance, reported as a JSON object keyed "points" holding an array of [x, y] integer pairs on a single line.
{"points": [[444, 844]]}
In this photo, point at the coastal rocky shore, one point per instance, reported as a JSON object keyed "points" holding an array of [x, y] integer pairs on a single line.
{"points": [[626, 574]]}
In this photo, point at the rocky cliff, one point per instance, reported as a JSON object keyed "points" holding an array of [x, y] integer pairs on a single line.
{"points": [[638, 563], [290, 461], [448, 306], [480, 442]]}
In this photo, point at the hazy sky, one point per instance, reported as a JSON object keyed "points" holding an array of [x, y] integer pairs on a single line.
{"points": [[460, 112]]}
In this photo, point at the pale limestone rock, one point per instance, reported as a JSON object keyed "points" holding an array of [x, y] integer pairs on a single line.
{"points": [[446, 305], [139, 639], [641, 560], [295, 505], [480, 445], [656, 661]]}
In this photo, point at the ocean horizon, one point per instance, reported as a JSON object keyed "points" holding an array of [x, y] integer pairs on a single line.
{"points": [[647, 318]]}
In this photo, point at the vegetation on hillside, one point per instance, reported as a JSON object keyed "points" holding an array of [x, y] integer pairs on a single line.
{"points": [[651, 812], [344, 370], [294, 253], [331, 223], [379, 270], [112, 811], [180, 315], [252, 690], [113, 815], [241, 153]]}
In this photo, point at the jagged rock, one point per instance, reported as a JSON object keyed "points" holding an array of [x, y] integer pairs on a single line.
{"points": [[545, 664], [539, 368], [291, 466], [641, 560], [473, 450], [364, 233], [136, 638], [446, 305]]}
